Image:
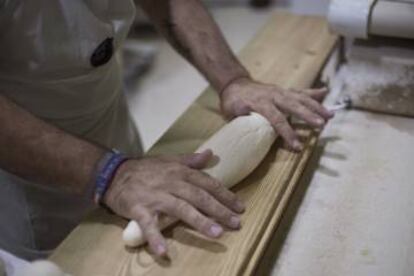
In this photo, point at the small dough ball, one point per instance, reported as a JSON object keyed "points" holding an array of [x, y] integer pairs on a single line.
{"points": [[42, 268], [132, 235]]}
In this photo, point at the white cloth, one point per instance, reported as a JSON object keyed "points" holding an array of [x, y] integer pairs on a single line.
{"points": [[10, 264], [45, 66]]}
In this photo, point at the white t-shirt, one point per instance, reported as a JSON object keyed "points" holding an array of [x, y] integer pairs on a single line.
{"points": [[58, 61]]}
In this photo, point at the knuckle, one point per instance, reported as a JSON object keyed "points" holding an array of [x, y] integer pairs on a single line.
{"points": [[286, 104], [279, 91], [296, 95], [287, 133], [279, 121], [314, 106], [305, 96], [201, 222], [198, 220], [227, 200], [304, 112], [228, 196], [279, 96], [221, 212], [175, 169], [233, 198], [150, 223], [181, 208], [215, 186], [311, 102], [144, 221], [194, 175], [179, 189], [226, 216], [203, 198], [165, 204], [296, 105], [315, 117]]}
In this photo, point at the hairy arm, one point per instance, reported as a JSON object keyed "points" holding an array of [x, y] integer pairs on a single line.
{"points": [[38, 151], [191, 30]]}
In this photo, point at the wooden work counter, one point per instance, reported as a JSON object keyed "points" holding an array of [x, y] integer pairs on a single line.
{"points": [[289, 51]]}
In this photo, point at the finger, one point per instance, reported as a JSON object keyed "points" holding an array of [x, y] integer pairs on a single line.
{"points": [[206, 203], [216, 189], [164, 221], [196, 160], [150, 229], [317, 94], [281, 125], [186, 212], [316, 107], [294, 107]]}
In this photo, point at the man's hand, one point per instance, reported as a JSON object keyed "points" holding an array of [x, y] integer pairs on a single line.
{"points": [[142, 189], [274, 103]]}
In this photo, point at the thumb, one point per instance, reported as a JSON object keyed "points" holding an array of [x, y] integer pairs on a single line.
{"points": [[317, 94], [197, 160]]}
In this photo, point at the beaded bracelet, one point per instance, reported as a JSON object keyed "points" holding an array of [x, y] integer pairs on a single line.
{"points": [[106, 171]]}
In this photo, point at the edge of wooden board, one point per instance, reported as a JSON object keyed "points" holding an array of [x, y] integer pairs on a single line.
{"points": [[251, 265]]}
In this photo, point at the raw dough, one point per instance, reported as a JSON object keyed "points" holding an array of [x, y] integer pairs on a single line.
{"points": [[239, 146], [41, 268], [132, 234]]}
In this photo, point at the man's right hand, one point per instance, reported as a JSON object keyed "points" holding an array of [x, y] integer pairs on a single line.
{"points": [[174, 186]]}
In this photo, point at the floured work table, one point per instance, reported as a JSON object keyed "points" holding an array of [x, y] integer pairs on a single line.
{"points": [[289, 51]]}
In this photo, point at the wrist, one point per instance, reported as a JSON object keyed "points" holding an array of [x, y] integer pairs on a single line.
{"points": [[105, 172], [234, 80]]}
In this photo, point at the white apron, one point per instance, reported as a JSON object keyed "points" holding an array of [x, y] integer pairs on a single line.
{"points": [[58, 61]]}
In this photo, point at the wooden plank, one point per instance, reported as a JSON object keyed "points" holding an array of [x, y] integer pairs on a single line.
{"points": [[254, 261], [289, 51]]}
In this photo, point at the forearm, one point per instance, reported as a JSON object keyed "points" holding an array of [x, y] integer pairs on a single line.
{"points": [[40, 152], [189, 27]]}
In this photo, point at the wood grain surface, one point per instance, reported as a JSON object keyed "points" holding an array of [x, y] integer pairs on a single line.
{"points": [[289, 51]]}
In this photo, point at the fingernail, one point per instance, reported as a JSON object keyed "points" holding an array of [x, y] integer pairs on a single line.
{"points": [[216, 230], [161, 250], [297, 145], [235, 222]]}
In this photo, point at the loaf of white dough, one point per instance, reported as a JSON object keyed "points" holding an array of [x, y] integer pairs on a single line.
{"points": [[238, 147]]}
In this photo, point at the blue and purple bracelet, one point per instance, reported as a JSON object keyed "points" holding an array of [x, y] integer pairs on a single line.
{"points": [[106, 171]]}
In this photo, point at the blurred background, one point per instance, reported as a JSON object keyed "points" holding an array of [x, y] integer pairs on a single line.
{"points": [[161, 85]]}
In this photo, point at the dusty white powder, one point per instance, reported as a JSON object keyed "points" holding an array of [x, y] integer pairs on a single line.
{"points": [[361, 76]]}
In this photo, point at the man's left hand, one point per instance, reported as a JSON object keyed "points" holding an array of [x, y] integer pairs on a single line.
{"points": [[275, 103]]}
